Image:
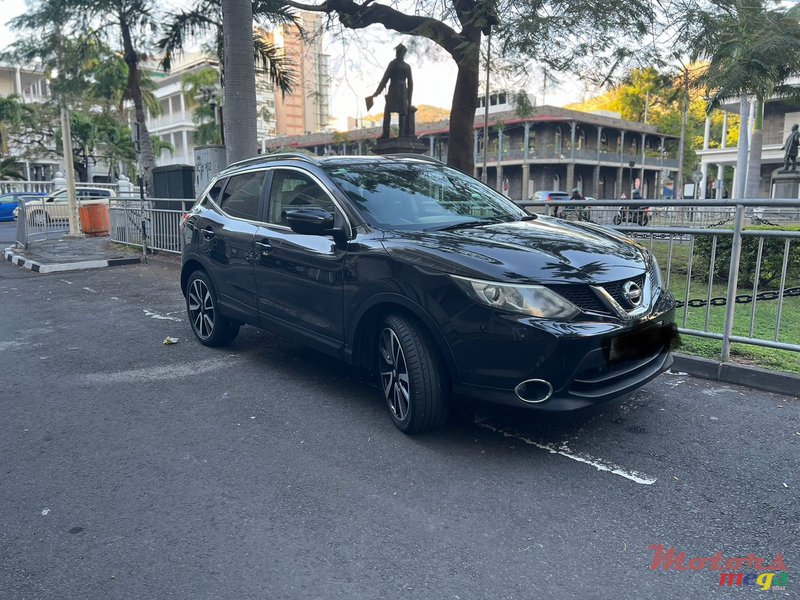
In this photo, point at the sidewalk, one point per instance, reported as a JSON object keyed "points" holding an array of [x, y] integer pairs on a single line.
{"points": [[50, 256]]}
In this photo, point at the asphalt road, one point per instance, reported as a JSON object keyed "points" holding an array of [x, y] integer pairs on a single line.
{"points": [[8, 230], [131, 469]]}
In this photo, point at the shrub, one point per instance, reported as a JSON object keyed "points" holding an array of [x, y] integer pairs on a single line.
{"points": [[771, 258]]}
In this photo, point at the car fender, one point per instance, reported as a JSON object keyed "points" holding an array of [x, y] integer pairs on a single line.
{"points": [[389, 298]]}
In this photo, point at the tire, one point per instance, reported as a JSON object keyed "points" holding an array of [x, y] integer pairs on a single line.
{"points": [[617, 220], [643, 220], [406, 354], [209, 326]]}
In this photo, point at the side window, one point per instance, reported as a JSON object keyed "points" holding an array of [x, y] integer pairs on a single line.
{"points": [[216, 189], [242, 195], [293, 189]]}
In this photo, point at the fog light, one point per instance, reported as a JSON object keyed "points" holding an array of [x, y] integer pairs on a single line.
{"points": [[534, 391]]}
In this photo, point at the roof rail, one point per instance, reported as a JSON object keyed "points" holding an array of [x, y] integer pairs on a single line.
{"points": [[278, 156], [421, 157]]}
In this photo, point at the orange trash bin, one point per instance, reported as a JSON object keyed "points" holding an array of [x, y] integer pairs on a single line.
{"points": [[95, 220]]}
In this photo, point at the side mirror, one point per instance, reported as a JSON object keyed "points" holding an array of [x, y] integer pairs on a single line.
{"points": [[310, 221]]}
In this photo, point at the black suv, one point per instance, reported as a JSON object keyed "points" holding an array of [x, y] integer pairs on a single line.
{"points": [[435, 282]]}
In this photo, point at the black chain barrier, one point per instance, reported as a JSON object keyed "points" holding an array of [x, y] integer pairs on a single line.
{"points": [[741, 298]]}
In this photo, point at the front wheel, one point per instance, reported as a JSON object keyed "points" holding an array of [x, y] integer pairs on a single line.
{"points": [[617, 220], [209, 326], [411, 376], [644, 220]]}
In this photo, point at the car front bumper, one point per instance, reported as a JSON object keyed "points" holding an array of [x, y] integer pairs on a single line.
{"points": [[584, 362]]}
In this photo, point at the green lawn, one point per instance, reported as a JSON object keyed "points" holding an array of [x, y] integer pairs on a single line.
{"points": [[695, 318]]}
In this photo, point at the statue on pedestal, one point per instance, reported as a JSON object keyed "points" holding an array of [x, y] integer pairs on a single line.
{"points": [[790, 146], [398, 97]]}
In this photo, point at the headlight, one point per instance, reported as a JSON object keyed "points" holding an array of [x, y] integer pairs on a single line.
{"points": [[533, 300]]}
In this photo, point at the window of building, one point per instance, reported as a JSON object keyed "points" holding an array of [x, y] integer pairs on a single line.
{"points": [[603, 141], [556, 182], [634, 146], [242, 195], [581, 139], [501, 98], [493, 100], [558, 141]]}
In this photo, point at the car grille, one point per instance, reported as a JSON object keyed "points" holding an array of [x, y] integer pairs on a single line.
{"points": [[585, 298], [614, 288]]}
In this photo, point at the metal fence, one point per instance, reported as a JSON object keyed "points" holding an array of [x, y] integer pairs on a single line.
{"points": [[716, 257], [154, 222]]}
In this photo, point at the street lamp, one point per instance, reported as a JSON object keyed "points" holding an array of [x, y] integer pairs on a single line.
{"points": [[491, 20]]}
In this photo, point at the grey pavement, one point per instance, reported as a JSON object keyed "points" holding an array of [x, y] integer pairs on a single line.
{"points": [[131, 469], [63, 251]]}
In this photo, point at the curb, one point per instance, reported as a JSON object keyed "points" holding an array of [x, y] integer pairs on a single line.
{"points": [[745, 375], [38, 267]]}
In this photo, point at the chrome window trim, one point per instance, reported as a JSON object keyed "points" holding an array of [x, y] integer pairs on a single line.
{"points": [[325, 189]]}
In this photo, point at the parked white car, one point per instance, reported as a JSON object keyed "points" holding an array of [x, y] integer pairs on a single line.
{"points": [[54, 207]]}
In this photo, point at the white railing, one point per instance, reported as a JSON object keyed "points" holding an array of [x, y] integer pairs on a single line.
{"points": [[156, 222]]}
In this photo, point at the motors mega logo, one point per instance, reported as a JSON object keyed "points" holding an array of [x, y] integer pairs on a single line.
{"points": [[764, 575]]}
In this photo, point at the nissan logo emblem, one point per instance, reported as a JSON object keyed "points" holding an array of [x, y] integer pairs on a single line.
{"points": [[632, 292]]}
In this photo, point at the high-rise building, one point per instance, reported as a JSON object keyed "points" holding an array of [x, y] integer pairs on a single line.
{"points": [[307, 108]]}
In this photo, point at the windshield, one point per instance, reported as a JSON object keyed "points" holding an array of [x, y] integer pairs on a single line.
{"points": [[420, 197]]}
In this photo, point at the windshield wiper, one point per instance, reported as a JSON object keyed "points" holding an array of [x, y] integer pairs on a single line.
{"points": [[528, 218], [466, 224]]}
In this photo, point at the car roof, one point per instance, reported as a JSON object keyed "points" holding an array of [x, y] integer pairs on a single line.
{"points": [[264, 160]]}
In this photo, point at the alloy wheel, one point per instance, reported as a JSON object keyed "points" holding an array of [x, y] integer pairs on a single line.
{"points": [[201, 309], [394, 374]]}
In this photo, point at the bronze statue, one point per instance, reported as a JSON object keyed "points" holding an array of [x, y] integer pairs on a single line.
{"points": [[790, 146], [398, 98]]}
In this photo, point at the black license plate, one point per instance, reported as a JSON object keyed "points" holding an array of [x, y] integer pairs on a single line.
{"points": [[639, 344]]}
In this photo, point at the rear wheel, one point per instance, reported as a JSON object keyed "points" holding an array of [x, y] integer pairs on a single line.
{"points": [[617, 220], [210, 327], [411, 376]]}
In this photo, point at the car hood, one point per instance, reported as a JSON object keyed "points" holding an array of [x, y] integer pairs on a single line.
{"points": [[544, 250]]}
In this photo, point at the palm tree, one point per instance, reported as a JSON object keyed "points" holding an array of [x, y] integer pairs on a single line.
{"points": [[205, 17], [753, 51], [49, 22], [196, 86], [240, 80]]}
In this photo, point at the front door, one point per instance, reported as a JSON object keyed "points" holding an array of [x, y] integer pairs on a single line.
{"points": [[226, 235], [299, 277]]}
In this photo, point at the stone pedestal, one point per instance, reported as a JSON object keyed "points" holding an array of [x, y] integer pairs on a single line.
{"points": [[786, 185], [400, 145]]}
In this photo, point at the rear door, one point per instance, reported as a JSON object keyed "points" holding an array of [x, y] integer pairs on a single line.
{"points": [[300, 278], [226, 235]]}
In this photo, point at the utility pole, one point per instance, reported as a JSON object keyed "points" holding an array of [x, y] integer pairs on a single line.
{"points": [[484, 174]]}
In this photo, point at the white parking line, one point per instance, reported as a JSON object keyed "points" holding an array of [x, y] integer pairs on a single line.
{"points": [[564, 450]]}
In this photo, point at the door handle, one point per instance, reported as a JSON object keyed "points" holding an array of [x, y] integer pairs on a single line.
{"points": [[208, 233], [264, 248]]}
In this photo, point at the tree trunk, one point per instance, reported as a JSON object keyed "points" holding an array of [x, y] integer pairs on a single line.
{"points": [[147, 159], [461, 151], [753, 184], [239, 118]]}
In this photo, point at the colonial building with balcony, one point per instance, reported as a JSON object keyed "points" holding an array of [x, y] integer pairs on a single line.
{"points": [[553, 149], [718, 159]]}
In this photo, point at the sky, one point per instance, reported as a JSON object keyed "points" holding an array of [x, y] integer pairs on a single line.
{"points": [[357, 62]]}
